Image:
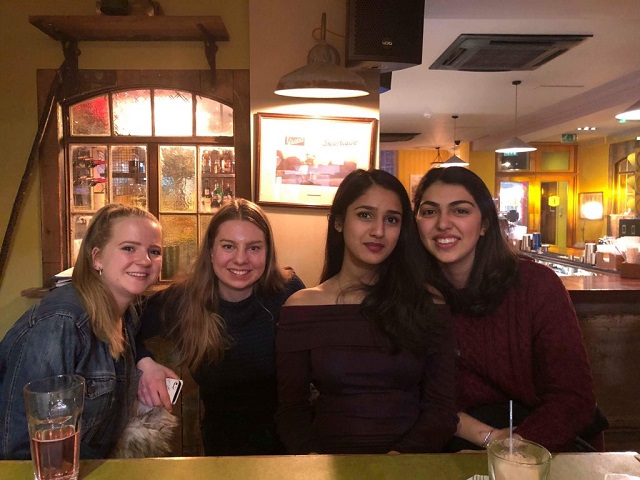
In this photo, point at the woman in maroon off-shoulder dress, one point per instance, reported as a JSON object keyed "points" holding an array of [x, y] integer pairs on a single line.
{"points": [[365, 360]]}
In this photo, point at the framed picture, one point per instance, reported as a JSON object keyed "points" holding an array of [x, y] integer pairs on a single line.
{"points": [[302, 159], [590, 205]]}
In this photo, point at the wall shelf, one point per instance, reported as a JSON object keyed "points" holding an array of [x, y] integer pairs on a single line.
{"points": [[131, 27], [70, 29]]}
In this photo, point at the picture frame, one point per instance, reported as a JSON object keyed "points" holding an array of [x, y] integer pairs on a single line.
{"points": [[591, 205], [301, 160]]}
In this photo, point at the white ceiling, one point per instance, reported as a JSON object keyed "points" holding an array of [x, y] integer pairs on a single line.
{"points": [[587, 85]]}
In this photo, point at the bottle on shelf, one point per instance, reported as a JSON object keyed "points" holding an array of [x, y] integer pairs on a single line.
{"points": [[206, 162], [216, 199], [227, 194], [206, 196]]}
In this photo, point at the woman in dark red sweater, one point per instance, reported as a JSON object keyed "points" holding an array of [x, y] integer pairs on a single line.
{"points": [[517, 332]]}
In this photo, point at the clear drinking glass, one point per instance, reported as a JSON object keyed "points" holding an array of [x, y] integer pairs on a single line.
{"points": [[525, 461], [54, 411]]}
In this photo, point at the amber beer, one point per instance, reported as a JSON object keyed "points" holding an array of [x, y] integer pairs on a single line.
{"points": [[54, 410], [56, 453]]}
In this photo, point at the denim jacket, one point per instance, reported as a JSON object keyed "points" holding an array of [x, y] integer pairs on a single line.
{"points": [[54, 338]]}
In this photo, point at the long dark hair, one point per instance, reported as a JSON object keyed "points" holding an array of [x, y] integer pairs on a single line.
{"points": [[495, 264], [200, 331], [398, 302]]}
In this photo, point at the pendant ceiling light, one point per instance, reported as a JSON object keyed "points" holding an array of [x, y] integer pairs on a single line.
{"points": [[322, 77], [515, 145], [437, 162], [454, 161], [631, 113]]}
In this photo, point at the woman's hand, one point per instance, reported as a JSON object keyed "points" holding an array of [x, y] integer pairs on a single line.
{"points": [[502, 433], [152, 387], [480, 433]]}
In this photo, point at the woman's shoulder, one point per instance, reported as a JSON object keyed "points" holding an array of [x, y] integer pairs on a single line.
{"points": [[310, 296], [62, 301]]}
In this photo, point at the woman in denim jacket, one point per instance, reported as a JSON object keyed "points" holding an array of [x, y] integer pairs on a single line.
{"points": [[85, 328]]}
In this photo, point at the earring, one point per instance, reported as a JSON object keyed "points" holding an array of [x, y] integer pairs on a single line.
{"points": [[99, 270]]}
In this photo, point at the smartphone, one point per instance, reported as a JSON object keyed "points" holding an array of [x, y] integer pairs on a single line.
{"points": [[174, 387]]}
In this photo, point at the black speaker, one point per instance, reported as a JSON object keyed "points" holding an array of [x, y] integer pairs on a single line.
{"points": [[384, 35]]}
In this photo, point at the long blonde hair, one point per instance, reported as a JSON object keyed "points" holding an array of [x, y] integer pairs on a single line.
{"points": [[98, 300], [200, 330]]}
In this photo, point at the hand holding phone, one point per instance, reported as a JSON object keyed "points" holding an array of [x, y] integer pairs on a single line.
{"points": [[174, 387]]}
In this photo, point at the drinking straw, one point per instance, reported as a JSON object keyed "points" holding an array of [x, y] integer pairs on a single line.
{"points": [[511, 427]]}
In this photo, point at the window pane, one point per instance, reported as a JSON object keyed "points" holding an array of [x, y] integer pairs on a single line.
{"points": [[213, 118], [554, 161], [91, 117], [177, 177], [179, 249], [132, 113], [173, 113], [129, 175], [204, 224], [513, 161], [217, 173], [88, 167], [514, 198], [79, 224]]}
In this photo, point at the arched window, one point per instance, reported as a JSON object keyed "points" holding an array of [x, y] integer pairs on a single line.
{"points": [[113, 137], [179, 148], [625, 187]]}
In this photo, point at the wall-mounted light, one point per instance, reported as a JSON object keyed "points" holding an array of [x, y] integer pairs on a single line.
{"points": [[631, 113], [553, 200], [515, 145], [322, 77], [454, 160]]}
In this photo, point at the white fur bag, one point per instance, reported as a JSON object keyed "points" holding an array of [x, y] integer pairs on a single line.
{"points": [[148, 434]]}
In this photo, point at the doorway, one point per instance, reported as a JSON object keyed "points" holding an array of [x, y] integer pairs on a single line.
{"points": [[553, 212]]}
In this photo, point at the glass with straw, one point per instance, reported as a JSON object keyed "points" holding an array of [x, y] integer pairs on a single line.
{"points": [[512, 458]]}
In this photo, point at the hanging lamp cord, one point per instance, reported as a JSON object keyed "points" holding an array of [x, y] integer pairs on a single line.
{"points": [[515, 123]]}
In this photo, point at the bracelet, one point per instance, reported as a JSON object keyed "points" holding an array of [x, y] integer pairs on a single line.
{"points": [[485, 442]]}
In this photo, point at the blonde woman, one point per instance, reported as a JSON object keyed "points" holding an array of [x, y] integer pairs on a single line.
{"points": [[86, 328]]}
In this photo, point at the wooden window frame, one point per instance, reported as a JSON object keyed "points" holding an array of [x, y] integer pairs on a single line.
{"points": [[231, 88]]}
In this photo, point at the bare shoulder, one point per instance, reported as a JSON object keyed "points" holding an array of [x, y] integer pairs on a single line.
{"points": [[318, 295]]}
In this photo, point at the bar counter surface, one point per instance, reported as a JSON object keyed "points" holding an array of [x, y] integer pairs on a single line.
{"points": [[459, 466]]}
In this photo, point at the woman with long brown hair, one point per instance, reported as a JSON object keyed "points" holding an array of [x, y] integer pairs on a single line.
{"points": [[222, 318]]}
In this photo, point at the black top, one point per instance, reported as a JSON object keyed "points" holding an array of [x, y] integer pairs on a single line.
{"points": [[238, 393], [371, 398]]}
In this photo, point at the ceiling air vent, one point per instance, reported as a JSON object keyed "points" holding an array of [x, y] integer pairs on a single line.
{"points": [[503, 53], [397, 137]]}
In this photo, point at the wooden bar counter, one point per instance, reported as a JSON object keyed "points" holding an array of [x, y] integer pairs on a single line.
{"points": [[608, 307], [460, 466]]}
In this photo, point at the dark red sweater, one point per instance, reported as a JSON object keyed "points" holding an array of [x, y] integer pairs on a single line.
{"points": [[531, 351]]}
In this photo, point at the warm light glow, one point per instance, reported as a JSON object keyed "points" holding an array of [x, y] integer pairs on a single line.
{"points": [[631, 113], [321, 93], [554, 200], [592, 210]]}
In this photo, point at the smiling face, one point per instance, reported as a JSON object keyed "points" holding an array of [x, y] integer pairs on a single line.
{"points": [[371, 227], [130, 262], [239, 257], [450, 225]]}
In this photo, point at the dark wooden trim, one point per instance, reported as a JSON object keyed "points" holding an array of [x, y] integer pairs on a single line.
{"points": [[232, 89]]}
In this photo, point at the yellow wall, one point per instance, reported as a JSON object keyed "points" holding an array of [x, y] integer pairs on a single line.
{"points": [[417, 162], [593, 176], [299, 233], [26, 49]]}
